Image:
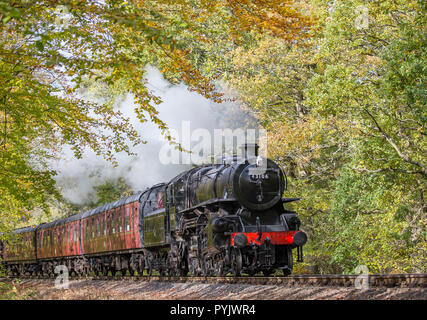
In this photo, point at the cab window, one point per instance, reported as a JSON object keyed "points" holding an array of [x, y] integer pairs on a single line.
{"points": [[154, 200]]}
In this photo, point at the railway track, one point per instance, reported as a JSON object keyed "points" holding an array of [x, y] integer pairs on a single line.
{"points": [[374, 280]]}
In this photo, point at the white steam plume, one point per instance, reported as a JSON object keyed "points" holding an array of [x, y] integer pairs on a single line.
{"points": [[77, 177]]}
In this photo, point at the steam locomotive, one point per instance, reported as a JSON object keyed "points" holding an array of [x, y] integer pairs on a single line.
{"points": [[211, 220]]}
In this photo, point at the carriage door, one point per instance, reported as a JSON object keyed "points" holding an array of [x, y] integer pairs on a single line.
{"points": [[154, 218]]}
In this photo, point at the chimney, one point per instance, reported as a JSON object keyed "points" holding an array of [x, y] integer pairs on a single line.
{"points": [[249, 150]]}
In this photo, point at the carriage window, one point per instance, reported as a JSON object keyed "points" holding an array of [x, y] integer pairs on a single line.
{"points": [[104, 229], [120, 223], [113, 224], [87, 229], [131, 218], [92, 227], [108, 224], [75, 234], [98, 228], [127, 227]]}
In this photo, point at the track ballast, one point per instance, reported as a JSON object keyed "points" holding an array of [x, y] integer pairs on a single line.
{"points": [[374, 280]]}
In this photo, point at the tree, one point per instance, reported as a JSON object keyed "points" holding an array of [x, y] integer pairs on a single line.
{"points": [[345, 110], [112, 190]]}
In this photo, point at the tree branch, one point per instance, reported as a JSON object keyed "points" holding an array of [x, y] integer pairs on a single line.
{"points": [[402, 155]]}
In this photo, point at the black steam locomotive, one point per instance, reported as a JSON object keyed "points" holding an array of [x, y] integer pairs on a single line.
{"points": [[230, 217]]}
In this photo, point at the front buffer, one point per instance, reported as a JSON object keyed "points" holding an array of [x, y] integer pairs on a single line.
{"points": [[252, 252]]}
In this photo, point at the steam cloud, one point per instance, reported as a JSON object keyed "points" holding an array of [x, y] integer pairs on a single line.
{"points": [[77, 177]]}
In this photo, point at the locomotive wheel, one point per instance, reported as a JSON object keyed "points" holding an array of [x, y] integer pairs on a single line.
{"points": [[203, 267], [149, 269], [183, 265], [172, 266], [267, 273], [207, 267], [182, 270], [288, 270], [219, 268], [141, 266], [171, 272], [251, 273], [191, 267], [236, 262]]}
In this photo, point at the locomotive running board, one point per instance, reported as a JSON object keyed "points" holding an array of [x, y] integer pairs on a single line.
{"points": [[207, 203]]}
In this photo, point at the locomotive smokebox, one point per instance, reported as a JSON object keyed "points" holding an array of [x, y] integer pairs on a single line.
{"points": [[258, 192]]}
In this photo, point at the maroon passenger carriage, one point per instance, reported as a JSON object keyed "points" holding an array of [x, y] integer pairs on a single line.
{"points": [[21, 254], [105, 239]]}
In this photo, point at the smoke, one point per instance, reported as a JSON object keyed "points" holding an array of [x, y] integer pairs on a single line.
{"points": [[77, 177]]}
